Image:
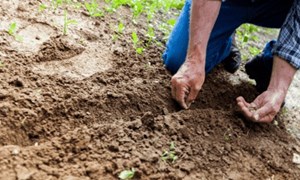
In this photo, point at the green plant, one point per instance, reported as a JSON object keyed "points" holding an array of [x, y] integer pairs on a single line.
{"points": [[254, 50], [12, 30], [67, 22], [93, 9], [56, 3], [42, 7], [127, 174], [121, 27], [170, 155], [1, 64], [136, 43], [228, 135]]}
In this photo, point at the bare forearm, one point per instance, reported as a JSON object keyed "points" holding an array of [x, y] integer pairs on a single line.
{"points": [[203, 17], [282, 75]]}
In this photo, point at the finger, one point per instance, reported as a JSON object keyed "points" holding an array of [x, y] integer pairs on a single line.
{"points": [[173, 90], [246, 112], [243, 101], [180, 95], [267, 119], [244, 108], [263, 112], [192, 96]]}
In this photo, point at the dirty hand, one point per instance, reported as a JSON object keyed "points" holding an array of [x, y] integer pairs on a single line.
{"points": [[187, 82], [264, 108]]}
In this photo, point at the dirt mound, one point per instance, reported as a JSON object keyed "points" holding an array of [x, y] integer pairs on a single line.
{"points": [[84, 106]]}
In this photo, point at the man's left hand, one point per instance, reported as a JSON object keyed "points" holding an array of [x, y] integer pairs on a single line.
{"points": [[264, 108]]}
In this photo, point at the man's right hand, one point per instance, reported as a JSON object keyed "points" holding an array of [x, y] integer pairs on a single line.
{"points": [[187, 82]]}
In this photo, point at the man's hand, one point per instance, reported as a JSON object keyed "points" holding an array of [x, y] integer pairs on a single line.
{"points": [[265, 107], [187, 82]]}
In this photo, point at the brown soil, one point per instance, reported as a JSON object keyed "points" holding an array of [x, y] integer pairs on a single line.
{"points": [[83, 106]]}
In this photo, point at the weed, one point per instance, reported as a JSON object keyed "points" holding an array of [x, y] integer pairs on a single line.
{"points": [[93, 9], [67, 22], [170, 155], [1, 64], [127, 174]]}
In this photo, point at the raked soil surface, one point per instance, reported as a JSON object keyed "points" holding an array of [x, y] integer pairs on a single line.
{"points": [[84, 106]]}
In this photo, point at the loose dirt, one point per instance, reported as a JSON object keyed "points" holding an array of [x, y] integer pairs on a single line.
{"points": [[85, 106]]}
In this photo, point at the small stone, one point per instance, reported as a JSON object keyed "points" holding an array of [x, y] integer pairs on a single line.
{"points": [[296, 158], [23, 173], [113, 147], [15, 151], [165, 111], [187, 166]]}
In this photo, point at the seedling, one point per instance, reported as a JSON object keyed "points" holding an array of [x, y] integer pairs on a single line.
{"points": [[67, 22], [150, 33], [170, 155], [42, 7], [121, 28], [12, 30], [127, 174], [228, 135], [1, 64], [136, 43], [56, 3], [93, 9]]}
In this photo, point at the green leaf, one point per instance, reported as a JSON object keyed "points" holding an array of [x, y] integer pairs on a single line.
{"points": [[140, 50], [121, 27], [135, 38], [42, 7], [171, 22], [12, 28], [127, 174]]}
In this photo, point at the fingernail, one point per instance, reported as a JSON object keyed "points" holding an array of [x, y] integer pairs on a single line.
{"points": [[256, 116], [189, 105]]}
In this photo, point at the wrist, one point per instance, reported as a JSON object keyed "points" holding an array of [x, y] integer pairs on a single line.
{"points": [[282, 75], [196, 54]]}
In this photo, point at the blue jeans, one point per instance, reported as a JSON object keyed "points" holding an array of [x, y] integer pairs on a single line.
{"points": [[233, 13]]}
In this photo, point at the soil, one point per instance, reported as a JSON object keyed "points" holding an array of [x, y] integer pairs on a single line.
{"points": [[85, 106]]}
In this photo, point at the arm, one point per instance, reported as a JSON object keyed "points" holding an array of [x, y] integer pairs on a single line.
{"points": [[285, 64], [188, 81]]}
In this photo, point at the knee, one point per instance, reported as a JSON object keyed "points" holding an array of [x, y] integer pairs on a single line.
{"points": [[172, 60]]}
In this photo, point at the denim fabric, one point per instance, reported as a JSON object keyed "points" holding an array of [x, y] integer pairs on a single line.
{"points": [[233, 13]]}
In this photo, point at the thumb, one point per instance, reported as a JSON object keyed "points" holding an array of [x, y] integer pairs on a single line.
{"points": [[192, 96]]}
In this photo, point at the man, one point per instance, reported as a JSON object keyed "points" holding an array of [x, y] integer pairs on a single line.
{"points": [[201, 39]]}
